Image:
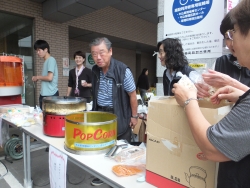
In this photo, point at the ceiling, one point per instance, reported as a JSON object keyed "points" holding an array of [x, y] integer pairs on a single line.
{"points": [[87, 36], [70, 9], [65, 10]]}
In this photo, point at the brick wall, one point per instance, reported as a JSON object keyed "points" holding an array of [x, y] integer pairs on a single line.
{"points": [[116, 23], [101, 21]]}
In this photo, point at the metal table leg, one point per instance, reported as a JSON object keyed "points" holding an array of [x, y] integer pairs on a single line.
{"points": [[26, 160]]}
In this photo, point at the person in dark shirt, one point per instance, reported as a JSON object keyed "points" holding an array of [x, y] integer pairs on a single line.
{"points": [[227, 70], [227, 141], [80, 78], [172, 57], [143, 84]]}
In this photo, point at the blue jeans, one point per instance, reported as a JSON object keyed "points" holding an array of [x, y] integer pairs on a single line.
{"points": [[143, 95]]}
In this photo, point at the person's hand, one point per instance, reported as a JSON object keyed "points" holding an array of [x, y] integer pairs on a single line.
{"points": [[228, 92], [202, 90], [133, 122], [84, 84], [34, 78], [216, 79], [182, 93]]}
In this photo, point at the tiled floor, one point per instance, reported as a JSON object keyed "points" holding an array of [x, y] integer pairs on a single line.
{"points": [[76, 177]]}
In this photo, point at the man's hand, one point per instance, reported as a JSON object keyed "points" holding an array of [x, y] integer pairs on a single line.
{"points": [[34, 78], [133, 122], [228, 92]]}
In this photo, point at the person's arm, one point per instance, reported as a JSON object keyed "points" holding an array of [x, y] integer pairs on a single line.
{"points": [[228, 92], [69, 91], [88, 82], [85, 84], [218, 80], [133, 105], [47, 78], [129, 87], [197, 122], [51, 67]]}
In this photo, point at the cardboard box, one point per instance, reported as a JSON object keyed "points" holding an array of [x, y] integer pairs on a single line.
{"points": [[137, 127], [171, 150], [140, 130]]}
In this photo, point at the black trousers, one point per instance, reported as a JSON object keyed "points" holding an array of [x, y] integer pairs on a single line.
{"points": [[125, 136], [41, 99]]}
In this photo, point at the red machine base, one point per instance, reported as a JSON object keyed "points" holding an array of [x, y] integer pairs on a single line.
{"points": [[15, 99], [54, 125]]}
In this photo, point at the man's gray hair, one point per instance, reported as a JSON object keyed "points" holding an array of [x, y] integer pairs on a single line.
{"points": [[98, 41]]}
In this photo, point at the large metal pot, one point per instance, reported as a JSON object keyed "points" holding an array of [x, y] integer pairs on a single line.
{"points": [[54, 111], [63, 105]]}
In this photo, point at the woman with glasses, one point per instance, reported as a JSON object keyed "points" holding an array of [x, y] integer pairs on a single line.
{"points": [[172, 57], [227, 141], [227, 69]]}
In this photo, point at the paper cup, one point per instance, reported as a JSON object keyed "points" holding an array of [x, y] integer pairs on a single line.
{"points": [[31, 109], [89, 106], [83, 81]]}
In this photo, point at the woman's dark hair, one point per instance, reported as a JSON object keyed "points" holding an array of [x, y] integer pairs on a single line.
{"points": [[41, 44], [226, 24], [144, 71], [79, 53], [174, 58], [240, 15]]}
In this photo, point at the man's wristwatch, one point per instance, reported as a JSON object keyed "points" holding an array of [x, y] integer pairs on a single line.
{"points": [[135, 116]]}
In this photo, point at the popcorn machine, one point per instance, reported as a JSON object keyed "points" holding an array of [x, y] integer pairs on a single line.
{"points": [[11, 80]]}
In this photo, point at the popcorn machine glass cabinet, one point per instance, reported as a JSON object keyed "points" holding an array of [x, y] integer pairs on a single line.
{"points": [[10, 71]]}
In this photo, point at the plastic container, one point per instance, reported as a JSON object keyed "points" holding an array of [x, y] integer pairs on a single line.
{"points": [[22, 108], [11, 71]]}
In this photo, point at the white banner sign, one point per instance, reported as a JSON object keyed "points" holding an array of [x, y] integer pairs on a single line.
{"points": [[197, 24], [57, 168]]}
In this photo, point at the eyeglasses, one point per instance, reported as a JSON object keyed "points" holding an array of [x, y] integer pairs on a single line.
{"points": [[230, 34], [101, 53]]}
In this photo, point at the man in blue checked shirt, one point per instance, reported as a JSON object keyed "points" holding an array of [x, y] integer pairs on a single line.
{"points": [[113, 89]]}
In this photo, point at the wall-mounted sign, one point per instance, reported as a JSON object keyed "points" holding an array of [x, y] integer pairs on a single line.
{"points": [[89, 61], [197, 24], [190, 12], [197, 65]]}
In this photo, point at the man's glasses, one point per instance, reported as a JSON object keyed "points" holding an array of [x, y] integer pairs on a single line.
{"points": [[101, 53], [230, 34]]}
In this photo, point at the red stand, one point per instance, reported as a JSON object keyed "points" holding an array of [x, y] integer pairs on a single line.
{"points": [[15, 99]]}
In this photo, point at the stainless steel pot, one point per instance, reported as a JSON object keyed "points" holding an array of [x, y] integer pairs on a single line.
{"points": [[63, 105]]}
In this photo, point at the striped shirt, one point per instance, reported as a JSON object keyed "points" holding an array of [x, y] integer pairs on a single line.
{"points": [[105, 95], [231, 135]]}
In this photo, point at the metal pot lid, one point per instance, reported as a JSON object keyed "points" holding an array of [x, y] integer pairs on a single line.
{"points": [[64, 100]]}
